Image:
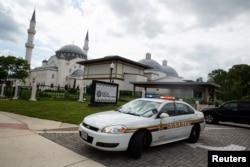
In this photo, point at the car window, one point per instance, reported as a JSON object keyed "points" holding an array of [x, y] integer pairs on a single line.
{"points": [[140, 107], [169, 109], [183, 109], [231, 106], [244, 105]]}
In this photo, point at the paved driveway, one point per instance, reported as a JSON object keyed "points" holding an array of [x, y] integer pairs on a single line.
{"points": [[214, 137]]}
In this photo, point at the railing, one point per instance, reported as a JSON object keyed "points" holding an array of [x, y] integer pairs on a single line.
{"points": [[24, 92], [48, 92]]}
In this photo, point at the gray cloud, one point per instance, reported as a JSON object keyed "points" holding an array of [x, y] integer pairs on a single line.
{"points": [[56, 6], [137, 17], [9, 28], [210, 13]]}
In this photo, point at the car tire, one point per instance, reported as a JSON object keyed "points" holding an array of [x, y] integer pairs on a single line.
{"points": [[136, 145], [194, 134], [210, 119]]}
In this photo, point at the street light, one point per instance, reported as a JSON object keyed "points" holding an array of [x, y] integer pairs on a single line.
{"points": [[111, 69]]}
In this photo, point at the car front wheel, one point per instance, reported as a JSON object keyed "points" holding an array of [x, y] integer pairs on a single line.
{"points": [[136, 145], [194, 135]]}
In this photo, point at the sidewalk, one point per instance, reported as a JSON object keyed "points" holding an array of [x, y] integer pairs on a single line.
{"points": [[22, 146]]}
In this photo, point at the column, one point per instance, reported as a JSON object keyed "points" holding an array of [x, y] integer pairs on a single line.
{"points": [[143, 93], [33, 92], [16, 91], [81, 94], [2, 90]]}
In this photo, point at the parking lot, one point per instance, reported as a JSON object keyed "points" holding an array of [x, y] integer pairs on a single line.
{"points": [[224, 136]]}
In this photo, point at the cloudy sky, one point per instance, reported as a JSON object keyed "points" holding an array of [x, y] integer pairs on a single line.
{"points": [[194, 36]]}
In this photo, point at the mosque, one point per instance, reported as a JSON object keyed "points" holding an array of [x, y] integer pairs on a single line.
{"points": [[61, 69], [70, 67]]}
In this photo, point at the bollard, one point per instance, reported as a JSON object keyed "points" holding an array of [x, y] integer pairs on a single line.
{"points": [[143, 93], [81, 94], [33, 92], [2, 92], [16, 93]]}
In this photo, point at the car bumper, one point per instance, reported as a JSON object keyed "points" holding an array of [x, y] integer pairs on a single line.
{"points": [[104, 141], [202, 125]]}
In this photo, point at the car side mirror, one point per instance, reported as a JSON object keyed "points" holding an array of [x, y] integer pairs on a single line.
{"points": [[164, 115]]}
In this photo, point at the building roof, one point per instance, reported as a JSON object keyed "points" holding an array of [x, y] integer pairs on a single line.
{"points": [[55, 68], [175, 84], [33, 18], [113, 59]]}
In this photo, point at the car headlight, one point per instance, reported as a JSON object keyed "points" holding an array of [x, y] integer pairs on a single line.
{"points": [[115, 129]]}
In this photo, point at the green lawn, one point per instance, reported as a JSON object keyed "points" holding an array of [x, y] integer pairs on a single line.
{"points": [[63, 111]]}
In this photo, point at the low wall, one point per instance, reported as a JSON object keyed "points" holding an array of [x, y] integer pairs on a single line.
{"points": [[203, 106]]}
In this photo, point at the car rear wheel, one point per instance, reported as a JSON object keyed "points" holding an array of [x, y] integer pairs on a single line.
{"points": [[210, 119], [136, 145], [194, 135]]}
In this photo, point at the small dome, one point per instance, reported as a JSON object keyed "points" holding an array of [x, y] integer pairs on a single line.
{"points": [[169, 70], [71, 48], [150, 62], [156, 66], [77, 73]]}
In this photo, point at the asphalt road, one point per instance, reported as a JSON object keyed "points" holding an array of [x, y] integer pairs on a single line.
{"points": [[226, 136]]}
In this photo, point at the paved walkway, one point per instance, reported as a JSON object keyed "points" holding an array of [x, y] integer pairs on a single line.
{"points": [[22, 146]]}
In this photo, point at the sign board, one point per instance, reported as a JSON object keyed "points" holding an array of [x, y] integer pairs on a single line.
{"points": [[104, 92]]}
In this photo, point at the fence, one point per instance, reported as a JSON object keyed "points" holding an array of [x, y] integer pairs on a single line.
{"points": [[7, 92], [42, 92], [59, 93], [46, 92]]}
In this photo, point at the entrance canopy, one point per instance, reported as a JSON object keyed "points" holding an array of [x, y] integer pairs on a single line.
{"points": [[206, 87]]}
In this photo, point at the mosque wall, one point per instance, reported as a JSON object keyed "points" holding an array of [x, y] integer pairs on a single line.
{"points": [[132, 78], [44, 77]]}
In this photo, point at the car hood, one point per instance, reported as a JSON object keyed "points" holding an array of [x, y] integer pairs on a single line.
{"points": [[109, 118]]}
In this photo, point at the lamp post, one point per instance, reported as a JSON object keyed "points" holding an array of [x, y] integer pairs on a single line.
{"points": [[111, 69]]}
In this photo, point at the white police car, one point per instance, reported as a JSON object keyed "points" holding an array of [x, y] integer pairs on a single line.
{"points": [[142, 123]]}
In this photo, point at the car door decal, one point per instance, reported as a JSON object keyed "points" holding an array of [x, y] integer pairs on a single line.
{"points": [[162, 126]]}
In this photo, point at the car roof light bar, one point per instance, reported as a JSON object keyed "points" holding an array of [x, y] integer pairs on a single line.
{"points": [[168, 97]]}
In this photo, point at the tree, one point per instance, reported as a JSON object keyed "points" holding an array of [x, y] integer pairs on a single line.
{"points": [[217, 76], [12, 69], [200, 79], [239, 79], [235, 84]]}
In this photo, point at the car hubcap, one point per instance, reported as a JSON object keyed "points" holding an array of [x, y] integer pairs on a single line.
{"points": [[209, 118]]}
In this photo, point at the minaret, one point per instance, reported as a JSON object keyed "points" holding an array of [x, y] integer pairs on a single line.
{"points": [[86, 44], [31, 33]]}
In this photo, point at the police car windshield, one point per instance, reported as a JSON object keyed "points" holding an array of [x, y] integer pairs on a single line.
{"points": [[139, 107]]}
